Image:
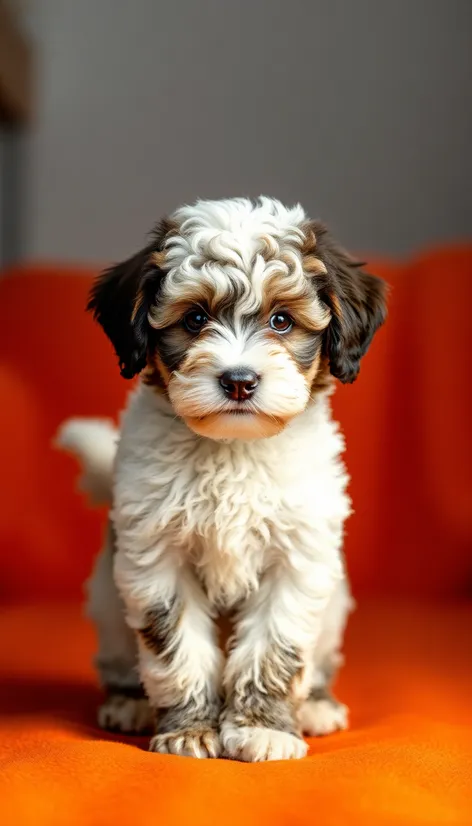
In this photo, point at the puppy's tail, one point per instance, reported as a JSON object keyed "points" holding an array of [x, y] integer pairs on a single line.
{"points": [[94, 443]]}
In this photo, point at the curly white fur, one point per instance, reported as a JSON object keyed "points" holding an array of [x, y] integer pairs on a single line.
{"points": [[223, 523], [258, 522]]}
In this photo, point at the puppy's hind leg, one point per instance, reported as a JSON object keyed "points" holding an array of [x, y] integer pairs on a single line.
{"points": [[322, 713], [126, 707]]}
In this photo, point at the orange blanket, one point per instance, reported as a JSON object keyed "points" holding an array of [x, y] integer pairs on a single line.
{"points": [[408, 756]]}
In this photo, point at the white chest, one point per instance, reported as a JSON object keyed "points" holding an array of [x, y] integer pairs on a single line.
{"points": [[233, 509], [230, 509]]}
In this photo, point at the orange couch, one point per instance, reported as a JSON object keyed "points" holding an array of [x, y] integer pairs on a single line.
{"points": [[407, 758]]}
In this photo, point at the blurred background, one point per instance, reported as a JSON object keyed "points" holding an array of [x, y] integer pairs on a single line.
{"points": [[115, 113]]}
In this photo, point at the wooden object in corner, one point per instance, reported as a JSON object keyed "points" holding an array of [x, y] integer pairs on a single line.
{"points": [[15, 68]]}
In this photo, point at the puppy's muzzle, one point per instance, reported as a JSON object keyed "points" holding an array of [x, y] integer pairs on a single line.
{"points": [[239, 384]]}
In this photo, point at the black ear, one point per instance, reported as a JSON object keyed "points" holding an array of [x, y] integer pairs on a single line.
{"points": [[120, 300], [357, 302]]}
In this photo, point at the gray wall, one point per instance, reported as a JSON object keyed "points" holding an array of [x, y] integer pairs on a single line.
{"points": [[360, 109]]}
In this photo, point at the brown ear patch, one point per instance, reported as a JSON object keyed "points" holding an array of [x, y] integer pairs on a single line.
{"points": [[121, 298], [357, 301]]}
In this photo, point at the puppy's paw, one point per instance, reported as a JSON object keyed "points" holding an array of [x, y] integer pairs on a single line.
{"points": [[319, 717], [192, 742], [254, 744], [130, 715]]}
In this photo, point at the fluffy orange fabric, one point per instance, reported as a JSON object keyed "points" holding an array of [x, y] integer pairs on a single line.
{"points": [[408, 756]]}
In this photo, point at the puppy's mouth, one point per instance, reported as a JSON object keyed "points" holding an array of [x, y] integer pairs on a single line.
{"points": [[239, 411], [241, 422], [231, 411]]}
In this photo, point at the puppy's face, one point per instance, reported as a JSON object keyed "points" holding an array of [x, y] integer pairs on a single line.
{"points": [[238, 343], [239, 312]]}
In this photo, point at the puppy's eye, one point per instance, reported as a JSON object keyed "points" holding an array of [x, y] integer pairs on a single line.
{"points": [[281, 322], [195, 320]]}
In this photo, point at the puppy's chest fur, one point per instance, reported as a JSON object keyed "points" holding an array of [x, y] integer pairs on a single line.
{"points": [[230, 510], [233, 507]]}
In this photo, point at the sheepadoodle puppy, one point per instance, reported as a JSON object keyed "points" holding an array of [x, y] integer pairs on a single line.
{"points": [[226, 487]]}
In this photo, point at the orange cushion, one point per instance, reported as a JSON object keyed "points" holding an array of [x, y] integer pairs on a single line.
{"points": [[406, 760]]}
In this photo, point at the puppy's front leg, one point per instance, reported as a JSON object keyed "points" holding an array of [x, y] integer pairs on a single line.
{"points": [[179, 659], [268, 673]]}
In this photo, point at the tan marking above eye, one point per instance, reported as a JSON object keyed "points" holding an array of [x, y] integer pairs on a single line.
{"points": [[173, 306]]}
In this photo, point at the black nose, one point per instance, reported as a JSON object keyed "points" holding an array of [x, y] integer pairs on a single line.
{"points": [[239, 384]]}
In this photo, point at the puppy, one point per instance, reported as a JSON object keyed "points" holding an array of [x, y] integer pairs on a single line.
{"points": [[228, 491]]}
